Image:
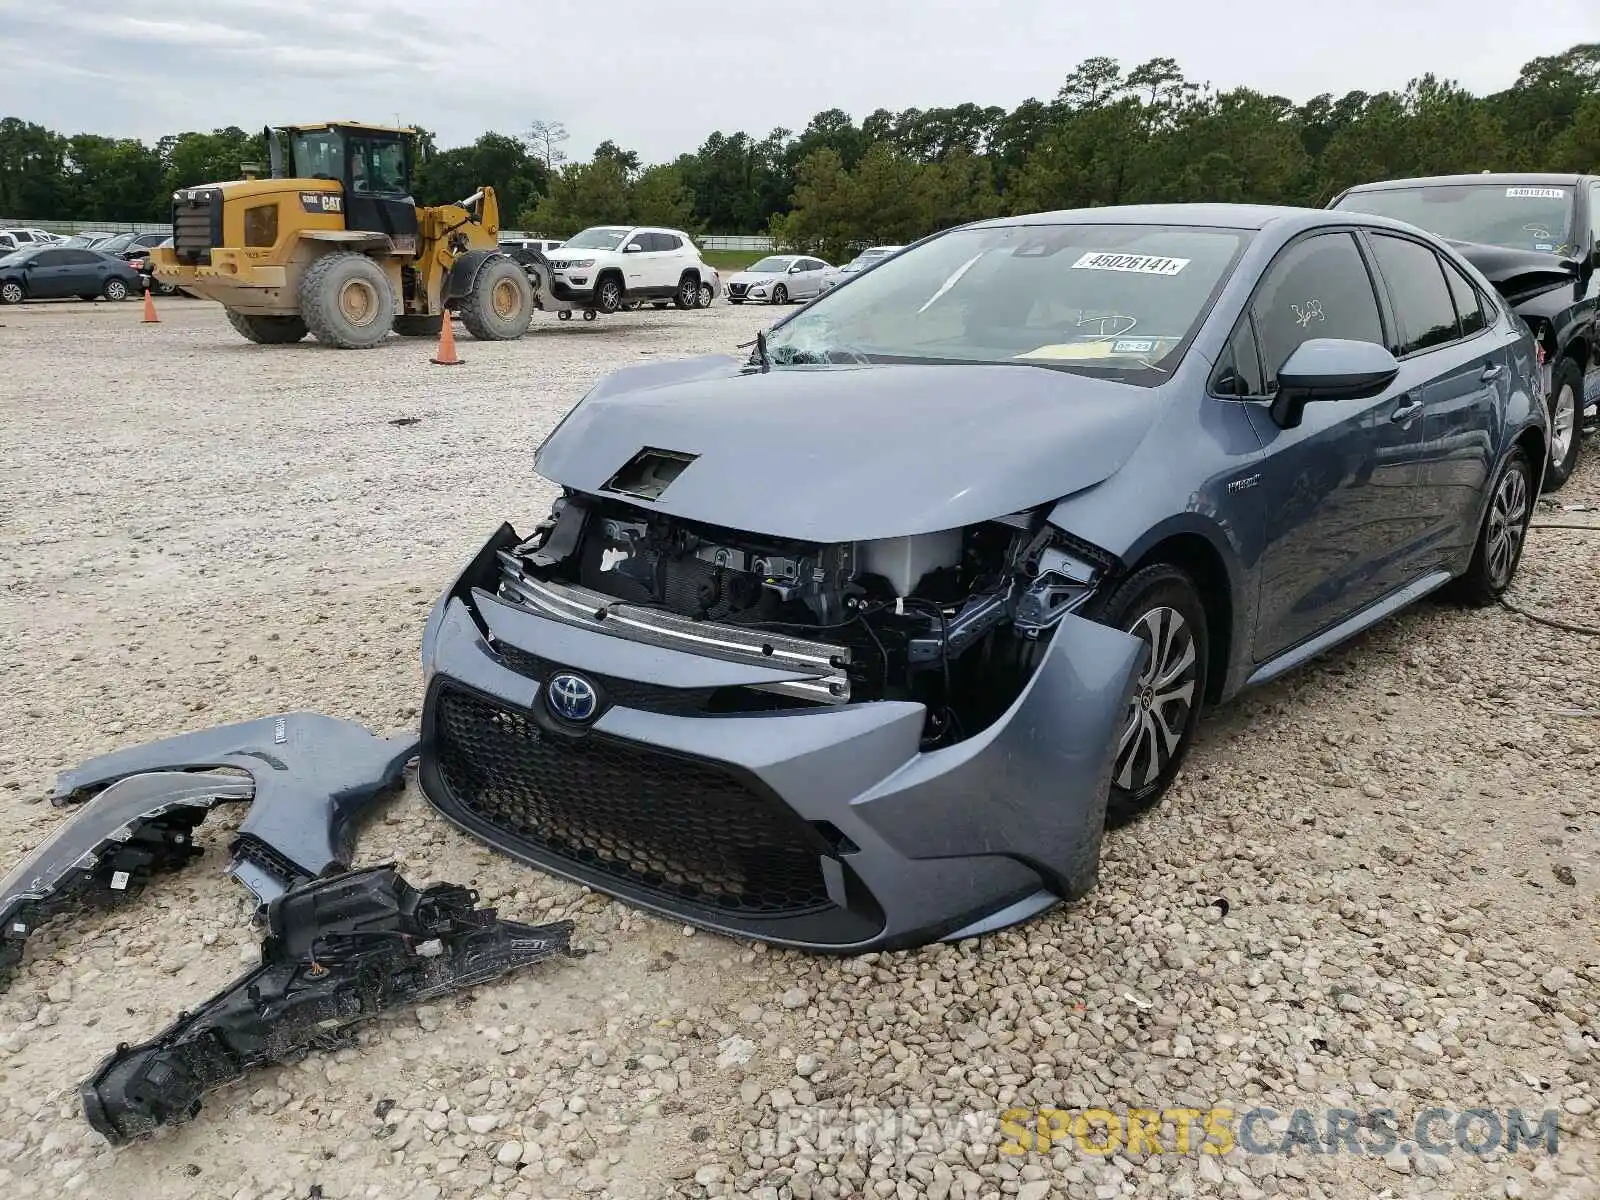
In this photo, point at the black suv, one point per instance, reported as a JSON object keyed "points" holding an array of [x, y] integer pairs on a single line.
{"points": [[1536, 237]]}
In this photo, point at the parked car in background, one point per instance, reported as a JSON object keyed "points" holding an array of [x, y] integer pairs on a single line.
{"points": [[131, 245], [1086, 472], [26, 235], [778, 279], [9, 243], [871, 256], [91, 236], [140, 262], [541, 245], [1536, 237], [606, 266], [48, 272]]}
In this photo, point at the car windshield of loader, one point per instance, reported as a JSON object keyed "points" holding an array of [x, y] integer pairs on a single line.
{"points": [[1514, 216], [1116, 300]]}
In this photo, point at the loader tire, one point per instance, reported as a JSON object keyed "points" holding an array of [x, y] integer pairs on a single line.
{"points": [[346, 301], [267, 331], [415, 326], [500, 306]]}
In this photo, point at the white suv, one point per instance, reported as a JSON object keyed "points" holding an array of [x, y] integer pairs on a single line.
{"points": [[608, 266]]}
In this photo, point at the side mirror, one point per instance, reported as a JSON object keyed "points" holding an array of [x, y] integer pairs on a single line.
{"points": [[632, 248], [1330, 369]]}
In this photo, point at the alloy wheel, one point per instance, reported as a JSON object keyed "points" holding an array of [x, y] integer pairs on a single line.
{"points": [[11, 293], [1162, 701], [1563, 424], [1508, 520], [116, 290]]}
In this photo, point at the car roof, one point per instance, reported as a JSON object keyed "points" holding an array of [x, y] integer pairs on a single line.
{"points": [[1493, 179]]}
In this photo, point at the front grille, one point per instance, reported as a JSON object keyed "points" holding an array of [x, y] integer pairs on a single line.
{"points": [[738, 289], [686, 830], [196, 225], [657, 698], [630, 693]]}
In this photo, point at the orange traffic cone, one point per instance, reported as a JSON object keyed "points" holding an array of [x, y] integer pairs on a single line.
{"points": [[446, 355], [150, 309]]}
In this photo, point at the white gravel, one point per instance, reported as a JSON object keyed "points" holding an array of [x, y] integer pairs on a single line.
{"points": [[196, 530]]}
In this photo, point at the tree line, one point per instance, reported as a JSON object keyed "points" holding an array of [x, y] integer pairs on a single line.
{"points": [[1108, 136]]}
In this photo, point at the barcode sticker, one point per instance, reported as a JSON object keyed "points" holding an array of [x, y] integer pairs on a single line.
{"points": [[1536, 193], [119, 880], [1143, 264]]}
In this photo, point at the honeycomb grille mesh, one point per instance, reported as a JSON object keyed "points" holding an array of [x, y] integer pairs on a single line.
{"points": [[688, 831]]}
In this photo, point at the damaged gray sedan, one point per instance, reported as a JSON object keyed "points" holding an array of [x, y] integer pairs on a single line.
{"points": [[855, 644]]}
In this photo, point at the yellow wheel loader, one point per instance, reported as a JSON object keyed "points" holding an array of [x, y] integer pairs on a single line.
{"points": [[338, 248]]}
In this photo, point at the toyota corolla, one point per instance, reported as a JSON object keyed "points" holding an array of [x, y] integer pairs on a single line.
{"points": [[856, 643]]}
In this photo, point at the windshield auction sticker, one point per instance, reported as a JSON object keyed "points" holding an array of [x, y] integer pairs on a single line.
{"points": [[1142, 264], [1536, 193]]}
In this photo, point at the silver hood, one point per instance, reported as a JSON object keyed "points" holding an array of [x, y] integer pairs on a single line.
{"points": [[834, 454]]}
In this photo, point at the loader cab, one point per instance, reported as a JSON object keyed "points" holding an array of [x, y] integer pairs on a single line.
{"points": [[373, 165]]}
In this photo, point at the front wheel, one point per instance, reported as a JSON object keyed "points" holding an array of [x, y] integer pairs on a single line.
{"points": [[1161, 606], [1566, 405], [267, 331], [608, 294], [11, 292], [780, 295], [346, 301], [1505, 528], [500, 306]]}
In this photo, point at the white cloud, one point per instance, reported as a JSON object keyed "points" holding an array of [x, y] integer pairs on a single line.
{"points": [[659, 75]]}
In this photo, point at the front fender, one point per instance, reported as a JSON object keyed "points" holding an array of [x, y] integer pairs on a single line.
{"points": [[464, 273]]}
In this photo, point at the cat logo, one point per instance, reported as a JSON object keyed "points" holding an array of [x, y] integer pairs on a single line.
{"points": [[322, 202]]}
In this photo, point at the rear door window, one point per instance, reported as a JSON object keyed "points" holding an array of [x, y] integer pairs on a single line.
{"points": [[1468, 301], [1416, 282]]}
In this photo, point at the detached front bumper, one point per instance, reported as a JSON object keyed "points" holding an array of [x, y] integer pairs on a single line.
{"points": [[821, 828]]}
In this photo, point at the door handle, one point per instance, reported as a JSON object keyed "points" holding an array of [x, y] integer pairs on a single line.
{"points": [[1491, 372], [1406, 411]]}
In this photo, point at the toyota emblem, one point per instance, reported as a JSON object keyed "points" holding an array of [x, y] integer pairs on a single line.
{"points": [[571, 697]]}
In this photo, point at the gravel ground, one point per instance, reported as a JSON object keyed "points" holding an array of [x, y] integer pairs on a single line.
{"points": [[1375, 885]]}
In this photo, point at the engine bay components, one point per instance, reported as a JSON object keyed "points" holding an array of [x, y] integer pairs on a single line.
{"points": [[954, 619], [338, 950]]}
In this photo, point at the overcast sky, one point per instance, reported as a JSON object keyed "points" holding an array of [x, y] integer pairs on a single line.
{"points": [[658, 75]]}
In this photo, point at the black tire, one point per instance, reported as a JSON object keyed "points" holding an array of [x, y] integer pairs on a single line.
{"points": [[780, 295], [267, 331], [500, 307], [688, 293], [162, 288], [706, 295], [116, 289], [11, 292], [731, 300], [1566, 423], [1501, 537], [1171, 688], [608, 293], [415, 326], [346, 301]]}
